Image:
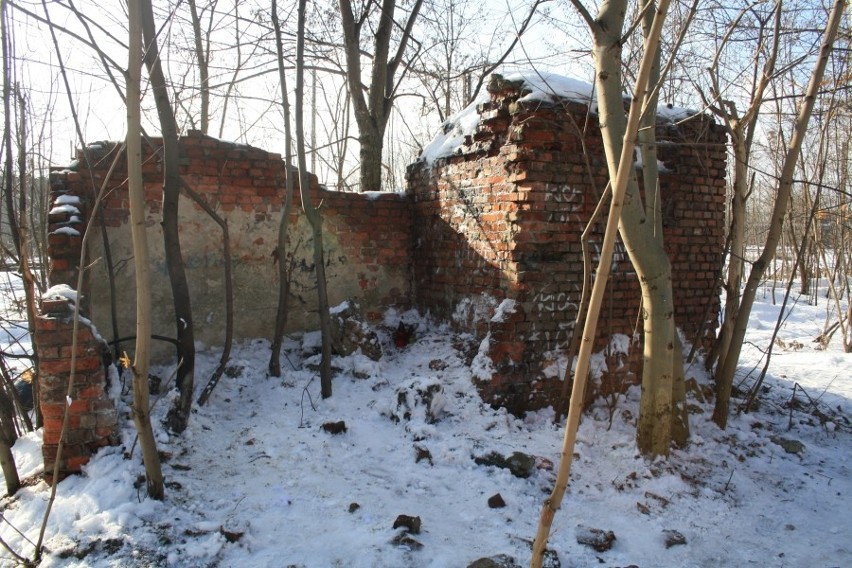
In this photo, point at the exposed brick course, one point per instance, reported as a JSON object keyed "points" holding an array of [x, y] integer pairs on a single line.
{"points": [[92, 418], [502, 219]]}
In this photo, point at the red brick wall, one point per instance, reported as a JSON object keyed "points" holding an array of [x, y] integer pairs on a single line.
{"points": [[367, 248], [92, 418], [499, 220], [367, 240], [502, 219]]}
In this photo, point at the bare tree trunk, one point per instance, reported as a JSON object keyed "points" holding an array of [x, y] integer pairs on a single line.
{"points": [[229, 292], [136, 194], [736, 232], [8, 436], [372, 112], [201, 58], [663, 382], [624, 172], [179, 414], [311, 213], [9, 178], [725, 373], [281, 251], [643, 244]]}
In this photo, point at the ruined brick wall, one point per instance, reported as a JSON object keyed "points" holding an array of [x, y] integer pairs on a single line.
{"points": [[367, 241], [368, 258], [501, 219], [92, 417], [488, 237]]}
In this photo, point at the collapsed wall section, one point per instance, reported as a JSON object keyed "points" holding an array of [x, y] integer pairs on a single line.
{"points": [[499, 244]]}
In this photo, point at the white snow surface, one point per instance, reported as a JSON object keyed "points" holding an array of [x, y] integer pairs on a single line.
{"points": [[61, 291], [67, 231], [255, 461], [66, 209], [67, 200]]}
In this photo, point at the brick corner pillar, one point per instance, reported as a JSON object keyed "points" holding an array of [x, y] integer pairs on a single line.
{"points": [[92, 419]]}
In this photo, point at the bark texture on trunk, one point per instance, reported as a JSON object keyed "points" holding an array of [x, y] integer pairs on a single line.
{"points": [[314, 217], [643, 243], [136, 196], [281, 313], [8, 436], [179, 414], [373, 110]]}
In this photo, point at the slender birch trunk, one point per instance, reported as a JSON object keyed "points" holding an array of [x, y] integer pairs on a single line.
{"points": [[624, 172], [314, 218], [136, 193]]}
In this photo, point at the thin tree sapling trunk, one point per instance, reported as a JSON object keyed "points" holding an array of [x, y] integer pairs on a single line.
{"points": [[314, 218], [178, 417], [725, 373], [136, 196], [624, 172], [282, 310]]}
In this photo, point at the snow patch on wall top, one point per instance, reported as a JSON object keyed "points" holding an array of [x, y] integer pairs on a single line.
{"points": [[541, 86]]}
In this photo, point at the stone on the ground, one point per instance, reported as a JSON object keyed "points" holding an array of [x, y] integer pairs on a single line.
{"points": [[598, 539]]}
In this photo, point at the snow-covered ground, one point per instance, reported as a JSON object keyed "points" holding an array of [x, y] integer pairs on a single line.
{"points": [[256, 468]]}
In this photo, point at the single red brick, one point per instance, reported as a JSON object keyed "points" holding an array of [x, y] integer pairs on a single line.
{"points": [[76, 463]]}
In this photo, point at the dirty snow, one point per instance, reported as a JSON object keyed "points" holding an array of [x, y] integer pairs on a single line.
{"points": [[255, 467]]}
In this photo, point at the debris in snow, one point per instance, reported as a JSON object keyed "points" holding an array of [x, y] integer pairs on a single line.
{"points": [[233, 532], [497, 561], [790, 446], [411, 524], [598, 539], [673, 538], [354, 507], [403, 540], [349, 332], [496, 501], [519, 464], [403, 335], [338, 427], [423, 454], [420, 399]]}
